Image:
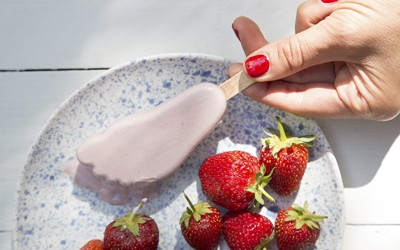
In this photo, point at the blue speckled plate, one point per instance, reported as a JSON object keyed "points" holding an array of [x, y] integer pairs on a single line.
{"points": [[53, 213]]}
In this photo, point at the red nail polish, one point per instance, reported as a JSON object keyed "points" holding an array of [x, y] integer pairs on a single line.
{"points": [[257, 65], [329, 1], [236, 32]]}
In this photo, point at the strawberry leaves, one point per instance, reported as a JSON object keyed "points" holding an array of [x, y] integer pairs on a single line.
{"points": [[258, 188], [280, 139], [303, 216], [196, 211], [131, 220]]}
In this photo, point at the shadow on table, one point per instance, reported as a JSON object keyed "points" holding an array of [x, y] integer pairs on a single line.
{"points": [[360, 146]]}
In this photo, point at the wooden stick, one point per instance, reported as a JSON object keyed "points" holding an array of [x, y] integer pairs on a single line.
{"points": [[235, 85]]}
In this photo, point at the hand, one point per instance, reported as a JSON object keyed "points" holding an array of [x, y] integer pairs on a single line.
{"points": [[343, 61]]}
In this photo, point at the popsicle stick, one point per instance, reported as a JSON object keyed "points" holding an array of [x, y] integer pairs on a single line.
{"points": [[235, 85]]}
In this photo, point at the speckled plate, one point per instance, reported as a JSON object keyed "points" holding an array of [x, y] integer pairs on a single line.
{"points": [[53, 213]]}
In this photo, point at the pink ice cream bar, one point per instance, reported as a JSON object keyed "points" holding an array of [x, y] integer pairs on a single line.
{"points": [[135, 152]]}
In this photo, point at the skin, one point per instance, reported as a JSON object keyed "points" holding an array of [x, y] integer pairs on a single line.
{"points": [[342, 62]]}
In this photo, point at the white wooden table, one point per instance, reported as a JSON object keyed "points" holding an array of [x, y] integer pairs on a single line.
{"points": [[48, 49]]}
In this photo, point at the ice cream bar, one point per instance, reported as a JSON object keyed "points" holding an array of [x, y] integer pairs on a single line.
{"points": [[138, 150]]}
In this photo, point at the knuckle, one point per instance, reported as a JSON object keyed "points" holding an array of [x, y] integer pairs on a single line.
{"points": [[292, 54]]}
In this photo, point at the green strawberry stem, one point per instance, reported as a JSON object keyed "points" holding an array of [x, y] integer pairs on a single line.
{"points": [[282, 133], [136, 209], [190, 203], [132, 220], [196, 211], [265, 180]]}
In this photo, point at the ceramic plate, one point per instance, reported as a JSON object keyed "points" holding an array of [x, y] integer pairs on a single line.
{"points": [[53, 213]]}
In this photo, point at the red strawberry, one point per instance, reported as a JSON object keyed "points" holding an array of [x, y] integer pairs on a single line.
{"points": [[201, 225], [233, 180], [93, 245], [296, 228], [246, 230], [287, 157], [132, 231]]}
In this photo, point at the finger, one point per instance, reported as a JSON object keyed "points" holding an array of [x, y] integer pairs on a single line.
{"points": [[250, 37], [234, 69], [311, 12], [310, 100], [316, 45], [249, 34]]}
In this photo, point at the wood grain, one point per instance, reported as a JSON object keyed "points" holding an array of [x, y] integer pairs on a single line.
{"points": [[235, 85]]}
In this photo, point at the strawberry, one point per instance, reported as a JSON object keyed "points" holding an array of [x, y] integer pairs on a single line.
{"points": [[247, 230], [286, 158], [296, 228], [234, 180], [201, 225], [132, 231], [93, 245]]}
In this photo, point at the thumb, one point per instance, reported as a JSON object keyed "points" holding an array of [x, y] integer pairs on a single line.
{"points": [[285, 57]]}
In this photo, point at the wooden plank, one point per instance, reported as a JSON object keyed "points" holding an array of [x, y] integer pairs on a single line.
{"points": [[371, 237], [6, 240], [65, 33]]}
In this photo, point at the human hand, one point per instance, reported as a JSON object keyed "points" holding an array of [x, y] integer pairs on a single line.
{"points": [[343, 61]]}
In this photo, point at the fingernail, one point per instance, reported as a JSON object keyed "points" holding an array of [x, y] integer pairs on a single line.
{"points": [[236, 32], [329, 1], [257, 65]]}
